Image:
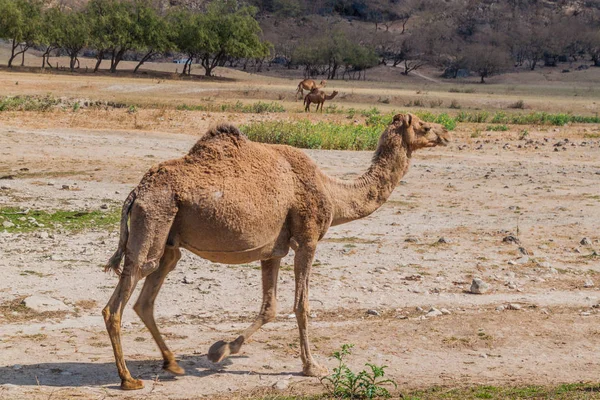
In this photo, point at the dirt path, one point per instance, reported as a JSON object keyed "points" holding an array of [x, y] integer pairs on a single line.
{"points": [[472, 197]]}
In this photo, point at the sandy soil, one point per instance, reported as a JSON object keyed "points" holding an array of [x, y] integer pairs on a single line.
{"points": [[472, 193]]}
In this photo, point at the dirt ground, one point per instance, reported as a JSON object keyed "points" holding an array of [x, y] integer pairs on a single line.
{"points": [[538, 324]]}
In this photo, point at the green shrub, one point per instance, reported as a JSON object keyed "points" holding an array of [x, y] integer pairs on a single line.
{"points": [[28, 103], [497, 128], [347, 384]]}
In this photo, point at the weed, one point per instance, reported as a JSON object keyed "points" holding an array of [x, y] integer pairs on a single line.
{"points": [[384, 101], [524, 134], [28, 103], [132, 109], [254, 108], [76, 106], [436, 103], [346, 384]]}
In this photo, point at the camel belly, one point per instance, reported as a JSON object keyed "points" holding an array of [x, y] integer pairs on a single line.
{"points": [[239, 257]]}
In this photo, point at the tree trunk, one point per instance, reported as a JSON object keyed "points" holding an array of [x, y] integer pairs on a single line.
{"points": [[23, 58], [99, 58], [117, 59], [143, 60], [72, 63], [482, 79], [12, 53]]}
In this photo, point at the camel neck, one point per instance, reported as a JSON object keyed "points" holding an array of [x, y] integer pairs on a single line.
{"points": [[360, 197]]}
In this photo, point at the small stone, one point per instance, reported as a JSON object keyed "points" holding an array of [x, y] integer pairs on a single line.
{"points": [[187, 280], [42, 304], [281, 385], [17, 367], [500, 308], [483, 355], [511, 262], [5, 187], [586, 314], [411, 240], [104, 206], [313, 315], [514, 306], [290, 316], [544, 311], [585, 242], [7, 224], [419, 309], [43, 235], [478, 286], [445, 311], [373, 312], [443, 240], [588, 283], [522, 260], [66, 187], [434, 312]]}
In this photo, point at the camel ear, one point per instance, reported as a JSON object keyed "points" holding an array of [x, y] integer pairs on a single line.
{"points": [[406, 119]]}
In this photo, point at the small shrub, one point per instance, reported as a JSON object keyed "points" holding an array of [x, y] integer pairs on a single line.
{"points": [[524, 134], [436, 103], [476, 133], [347, 384], [384, 101], [131, 109], [454, 104], [76, 106], [520, 104]]}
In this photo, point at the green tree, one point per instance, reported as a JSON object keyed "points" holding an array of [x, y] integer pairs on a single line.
{"points": [[51, 30], [74, 36], [154, 33], [20, 23], [224, 31]]}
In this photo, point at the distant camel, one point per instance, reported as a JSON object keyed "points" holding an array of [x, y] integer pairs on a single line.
{"points": [[309, 84], [318, 97]]}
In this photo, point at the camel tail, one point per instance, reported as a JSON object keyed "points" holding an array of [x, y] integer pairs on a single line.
{"points": [[115, 261]]}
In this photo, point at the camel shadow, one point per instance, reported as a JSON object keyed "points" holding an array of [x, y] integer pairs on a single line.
{"points": [[61, 374]]}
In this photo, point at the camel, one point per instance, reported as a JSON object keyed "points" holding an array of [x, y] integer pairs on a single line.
{"points": [[309, 84], [234, 201], [317, 96]]}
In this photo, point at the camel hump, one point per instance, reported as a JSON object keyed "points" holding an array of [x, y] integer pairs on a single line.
{"points": [[224, 129]]}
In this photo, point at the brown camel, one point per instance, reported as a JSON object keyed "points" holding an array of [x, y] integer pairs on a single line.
{"points": [[233, 201], [317, 96], [309, 84]]}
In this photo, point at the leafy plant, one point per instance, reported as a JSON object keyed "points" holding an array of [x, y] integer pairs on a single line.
{"points": [[347, 384]]}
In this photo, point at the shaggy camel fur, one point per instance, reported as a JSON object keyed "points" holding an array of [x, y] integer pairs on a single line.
{"points": [[233, 201], [317, 96], [310, 85]]}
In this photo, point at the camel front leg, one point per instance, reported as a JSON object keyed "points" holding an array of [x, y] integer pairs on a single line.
{"points": [[270, 272], [144, 307], [302, 266], [112, 317]]}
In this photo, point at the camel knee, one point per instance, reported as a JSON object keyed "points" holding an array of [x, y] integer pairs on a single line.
{"points": [[111, 319], [269, 315]]}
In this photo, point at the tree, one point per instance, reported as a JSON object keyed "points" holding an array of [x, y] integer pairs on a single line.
{"points": [[486, 59], [20, 22], [74, 35], [225, 30], [51, 30], [154, 32]]}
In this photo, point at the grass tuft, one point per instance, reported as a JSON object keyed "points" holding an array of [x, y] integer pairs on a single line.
{"points": [[33, 220]]}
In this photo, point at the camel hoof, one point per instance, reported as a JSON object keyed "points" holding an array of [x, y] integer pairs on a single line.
{"points": [[173, 368], [218, 351], [315, 370], [132, 384]]}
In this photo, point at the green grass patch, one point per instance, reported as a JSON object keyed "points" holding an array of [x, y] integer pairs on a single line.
{"points": [[28, 103], [497, 128], [34, 220], [534, 118], [253, 108]]}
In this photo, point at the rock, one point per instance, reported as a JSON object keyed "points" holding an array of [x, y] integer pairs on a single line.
{"points": [[43, 235], [402, 317], [433, 312], [411, 240], [511, 239], [187, 280], [478, 286], [290, 316], [373, 312], [523, 251], [585, 242], [586, 314], [445, 311], [483, 355], [500, 308], [545, 311], [522, 260], [42, 304], [5, 187], [443, 240], [66, 187], [17, 367], [281, 385], [514, 306], [104, 206], [7, 224], [588, 283]]}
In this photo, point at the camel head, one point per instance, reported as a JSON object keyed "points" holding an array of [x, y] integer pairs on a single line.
{"points": [[323, 83], [417, 134], [332, 95]]}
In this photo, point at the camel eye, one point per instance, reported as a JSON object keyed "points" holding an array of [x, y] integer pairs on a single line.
{"points": [[427, 128]]}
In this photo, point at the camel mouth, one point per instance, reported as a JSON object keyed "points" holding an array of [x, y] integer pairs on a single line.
{"points": [[443, 141]]}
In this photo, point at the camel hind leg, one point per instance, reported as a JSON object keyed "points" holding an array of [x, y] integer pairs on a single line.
{"points": [[268, 311], [145, 247], [144, 307]]}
